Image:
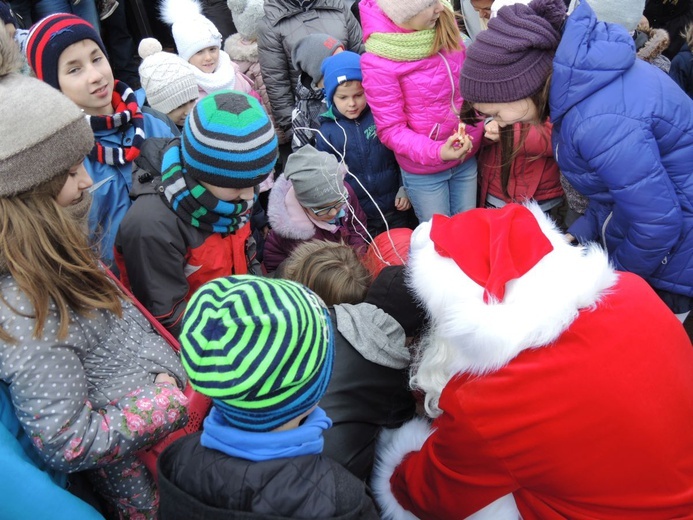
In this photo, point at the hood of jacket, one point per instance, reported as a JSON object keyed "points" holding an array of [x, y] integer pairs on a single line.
{"points": [[287, 220], [655, 43], [148, 165], [374, 20], [590, 56], [376, 335], [277, 10]]}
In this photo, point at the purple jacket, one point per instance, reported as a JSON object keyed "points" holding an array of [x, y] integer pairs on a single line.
{"points": [[291, 226], [415, 103]]}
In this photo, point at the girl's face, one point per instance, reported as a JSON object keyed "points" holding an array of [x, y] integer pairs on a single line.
{"points": [[327, 212], [178, 115], [425, 19], [206, 60], [520, 111], [77, 181], [230, 194], [85, 76]]}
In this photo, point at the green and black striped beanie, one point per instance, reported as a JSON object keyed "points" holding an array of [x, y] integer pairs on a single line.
{"points": [[261, 348], [228, 141]]}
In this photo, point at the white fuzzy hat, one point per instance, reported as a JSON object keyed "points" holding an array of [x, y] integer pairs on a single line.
{"points": [[168, 81], [192, 31], [626, 13], [246, 16], [399, 11]]}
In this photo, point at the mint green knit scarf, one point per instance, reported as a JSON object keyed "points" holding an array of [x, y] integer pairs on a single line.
{"points": [[411, 46]]}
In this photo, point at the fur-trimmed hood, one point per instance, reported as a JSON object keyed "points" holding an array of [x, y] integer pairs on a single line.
{"points": [[285, 214], [656, 43], [241, 50], [537, 308]]}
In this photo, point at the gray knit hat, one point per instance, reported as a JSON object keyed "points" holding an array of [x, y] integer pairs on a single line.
{"points": [[246, 15], [626, 13], [167, 79], [310, 51], [317, 177], [42, 133]]}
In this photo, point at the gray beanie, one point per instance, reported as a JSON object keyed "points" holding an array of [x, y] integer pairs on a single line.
{"points": [[42, 133], [246, 15], [317, 177], [310, 51], [626, 13], [167, 79]]}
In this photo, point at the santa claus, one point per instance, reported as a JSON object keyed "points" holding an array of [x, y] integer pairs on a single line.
{"points": [[558, 387]]}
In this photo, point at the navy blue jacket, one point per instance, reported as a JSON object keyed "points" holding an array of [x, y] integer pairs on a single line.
{"points": [[366, 157], [681, 70], [623, 136]]}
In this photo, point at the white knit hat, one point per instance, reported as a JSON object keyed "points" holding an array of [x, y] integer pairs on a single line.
{"points": [[626, 13], [192, 32], [168, 81], [399, 11]]}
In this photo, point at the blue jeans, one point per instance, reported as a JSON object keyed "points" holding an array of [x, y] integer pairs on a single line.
{"points": [[85, 9], [448, 192]]}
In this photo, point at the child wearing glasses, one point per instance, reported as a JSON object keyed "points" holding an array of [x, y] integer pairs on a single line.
{"points": [[311, 201]]}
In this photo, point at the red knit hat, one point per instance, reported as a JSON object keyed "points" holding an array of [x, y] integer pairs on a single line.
{"points": [[491, 246]]}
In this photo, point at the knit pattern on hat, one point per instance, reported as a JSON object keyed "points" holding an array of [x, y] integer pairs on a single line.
{"points": [[399, 11], [42, 133], [167, 79], [316, 177], [228, 141], [261, 348], [512, 59], [191, 31], [345, 66], [48, 39], [246, 15]]}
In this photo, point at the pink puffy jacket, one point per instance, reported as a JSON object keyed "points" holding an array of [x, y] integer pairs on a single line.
{"points": [[415, 103]]}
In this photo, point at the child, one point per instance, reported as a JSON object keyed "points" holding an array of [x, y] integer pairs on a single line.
{"points": [[309, 96], [67, 53], [682, 65], [411, 77], [263, 350], [310, 201], [348, 132], [189, 222], [167, 80], [368, 390], [285, 23], [90, 380], [199, 43]]}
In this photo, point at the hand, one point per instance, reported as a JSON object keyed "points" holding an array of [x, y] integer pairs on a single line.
{"points": [[492, 131], [165, 378], [570, 239], [456, 147], [402, 204]]}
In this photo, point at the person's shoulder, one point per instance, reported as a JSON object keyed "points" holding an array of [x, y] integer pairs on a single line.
{"points": [[157, 124]]}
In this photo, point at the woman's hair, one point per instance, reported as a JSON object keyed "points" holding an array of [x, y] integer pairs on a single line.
{"points": [[447, 33], [332, 270], [46, 252], [687, 34]]}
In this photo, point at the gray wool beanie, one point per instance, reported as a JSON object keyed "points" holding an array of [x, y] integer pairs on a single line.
{"points": [[42, 133], [626, 13], [310, 51], [317, 177], [246, 15]]}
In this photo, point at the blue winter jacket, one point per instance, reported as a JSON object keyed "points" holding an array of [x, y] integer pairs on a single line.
{"points": [[29, 490], [366, 157], [623, 136], [681, 70], [111, 199]]}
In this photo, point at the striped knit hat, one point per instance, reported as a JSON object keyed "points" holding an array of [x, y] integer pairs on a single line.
{"points": [[261, 348], [48, 39], [228, 141]]}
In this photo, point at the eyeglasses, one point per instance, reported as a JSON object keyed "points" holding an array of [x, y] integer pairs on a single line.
{"points": [[321, 212]]}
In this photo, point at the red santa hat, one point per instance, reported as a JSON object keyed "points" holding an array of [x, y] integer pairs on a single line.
{"points": [[492, 247]]}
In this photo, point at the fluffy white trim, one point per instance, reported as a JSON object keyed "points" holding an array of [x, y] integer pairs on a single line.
{"points": [[173, 11], [287, 224], [391, 448], [537, 307], [241, 50]]}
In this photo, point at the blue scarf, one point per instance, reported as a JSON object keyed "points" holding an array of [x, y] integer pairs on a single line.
{"points": [[217, 434]]}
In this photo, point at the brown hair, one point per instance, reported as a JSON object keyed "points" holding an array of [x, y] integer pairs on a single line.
{"points": [[447, 33], [332, 270], [46, 252]]}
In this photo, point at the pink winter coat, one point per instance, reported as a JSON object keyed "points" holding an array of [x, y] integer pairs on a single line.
{"points": [[415, 103]]}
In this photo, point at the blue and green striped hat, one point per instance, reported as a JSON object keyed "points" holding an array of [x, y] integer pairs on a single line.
{"points": [[261, 348], [228, 141]]}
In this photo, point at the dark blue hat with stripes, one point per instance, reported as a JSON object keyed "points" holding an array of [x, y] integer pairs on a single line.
{"points": [[228, 141]]}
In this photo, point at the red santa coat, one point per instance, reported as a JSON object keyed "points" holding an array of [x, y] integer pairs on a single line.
{"points": [[597, 425]]}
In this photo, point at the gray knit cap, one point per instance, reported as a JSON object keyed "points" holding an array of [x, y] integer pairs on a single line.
{"points": [[317, 177], [42, 133]]}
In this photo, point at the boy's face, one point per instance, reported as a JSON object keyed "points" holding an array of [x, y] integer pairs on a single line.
{"points": [[206, 60], [179, 114], [85, 76], [350, 99], [230, 194]]}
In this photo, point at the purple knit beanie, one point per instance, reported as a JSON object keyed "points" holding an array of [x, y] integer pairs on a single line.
{"points": [[513, 57]]}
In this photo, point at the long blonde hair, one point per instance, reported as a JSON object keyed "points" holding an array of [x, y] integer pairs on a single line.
{"points": [[47, 253], [447, 33]]}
